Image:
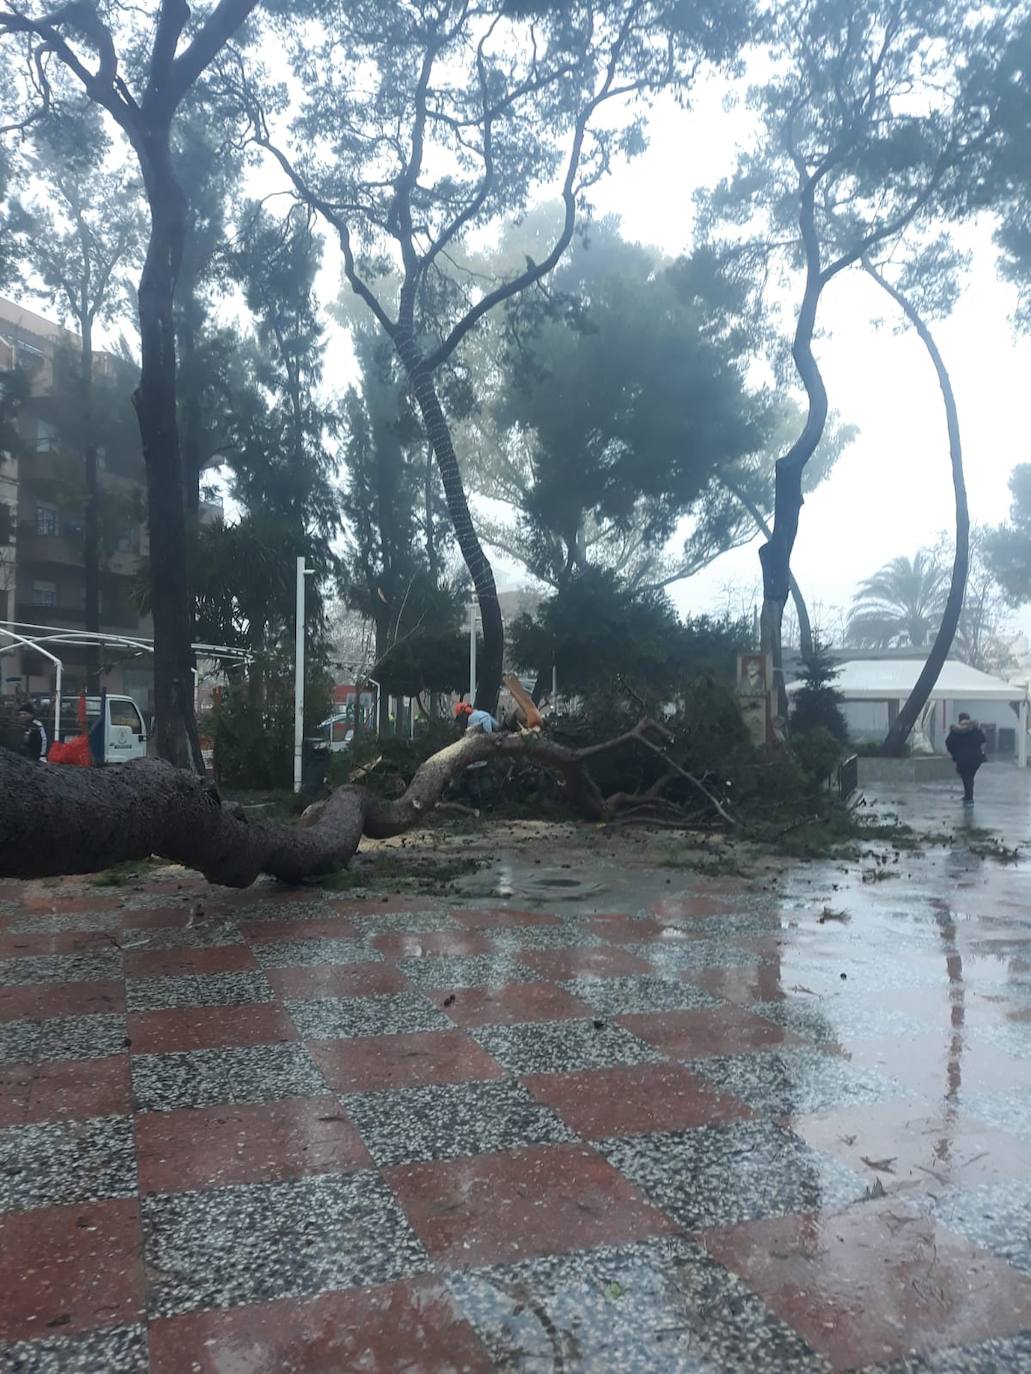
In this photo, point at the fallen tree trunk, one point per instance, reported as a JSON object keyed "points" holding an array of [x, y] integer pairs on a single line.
{"points": [[62, 820]]}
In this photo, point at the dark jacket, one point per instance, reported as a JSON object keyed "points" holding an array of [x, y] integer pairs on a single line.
{"points": [[34, 743], [966, 743]]}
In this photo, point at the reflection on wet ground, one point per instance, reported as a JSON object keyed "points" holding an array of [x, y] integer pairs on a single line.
{"points": [[586, 1116]]}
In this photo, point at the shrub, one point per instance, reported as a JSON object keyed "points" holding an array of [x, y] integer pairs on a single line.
{"points": [[817, 704], [818, 752]]}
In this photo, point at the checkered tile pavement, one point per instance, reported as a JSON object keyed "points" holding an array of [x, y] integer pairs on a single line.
{"points": [[301, 1133]]}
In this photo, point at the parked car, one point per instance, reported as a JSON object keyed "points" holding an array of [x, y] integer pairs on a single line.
{"points": [[125, 733], [335, 732]]}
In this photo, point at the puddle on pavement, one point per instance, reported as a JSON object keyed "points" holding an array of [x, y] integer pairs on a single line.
{"points": [[528, 882]]}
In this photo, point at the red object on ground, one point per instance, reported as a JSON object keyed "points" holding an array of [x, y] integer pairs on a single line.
{"points": [[74, 751]]}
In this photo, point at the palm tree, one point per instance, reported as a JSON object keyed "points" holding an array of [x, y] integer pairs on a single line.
{"points": [[901, 605]]}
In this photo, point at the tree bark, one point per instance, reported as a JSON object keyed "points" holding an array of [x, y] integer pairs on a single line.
{"points": [[56, 819], [155, 400], [775, 554], [91, 514], [896, 737], [490, 663], [805, 628]]}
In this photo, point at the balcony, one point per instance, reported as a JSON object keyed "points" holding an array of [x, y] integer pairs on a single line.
{"points": [[118, 620], [63, 549]]}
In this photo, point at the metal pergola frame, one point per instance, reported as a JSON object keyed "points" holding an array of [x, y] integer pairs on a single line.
{"points": [[20, 635]]}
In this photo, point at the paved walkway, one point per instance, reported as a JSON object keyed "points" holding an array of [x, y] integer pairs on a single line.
{"points": [[728, 1127]]}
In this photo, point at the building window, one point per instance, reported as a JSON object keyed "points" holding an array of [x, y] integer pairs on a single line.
{"points": [[5, 523], [46, 518], [46, 437], [44, 593]]}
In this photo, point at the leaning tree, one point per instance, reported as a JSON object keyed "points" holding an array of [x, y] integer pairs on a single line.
{"points": [[926, 287], [139, 66], [863, 129], [425, 122]]}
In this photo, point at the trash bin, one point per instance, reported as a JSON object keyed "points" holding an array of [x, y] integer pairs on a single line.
{"points": [[314, 764]]}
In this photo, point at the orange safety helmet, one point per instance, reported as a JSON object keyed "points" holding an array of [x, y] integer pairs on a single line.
{"points": [[463, 709]]}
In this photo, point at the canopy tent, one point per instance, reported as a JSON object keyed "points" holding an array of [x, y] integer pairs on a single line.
{"points": [[877, 679], [892, 680]]}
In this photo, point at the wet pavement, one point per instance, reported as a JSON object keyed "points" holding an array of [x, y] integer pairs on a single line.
{"points": [[660, 1123]]}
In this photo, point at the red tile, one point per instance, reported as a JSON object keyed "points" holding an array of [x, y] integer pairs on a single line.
{"points": [[376, 907], [211, 1147], [208, 1028], [160, 918], [49, 900], [920, 1151], [943, 1064], [269, 894], [497, 916], [742, 985], [18, 946], [692, 906], [395, 1328], [433, 942], [70, 1269], [40, 1000], [561, 964], [168, 963], [504, 1207], [337, 980], [874, 1283], [64, 1088], [633, 1100], [329, 928], [628, 929], [725, 1030], [509, 1004], [375, 1062]]}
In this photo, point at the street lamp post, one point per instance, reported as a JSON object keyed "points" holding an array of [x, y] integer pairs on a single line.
{"points": [[473, 609], [302, 573]]}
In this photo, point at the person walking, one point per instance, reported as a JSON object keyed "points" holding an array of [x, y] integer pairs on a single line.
{"points": [[34, 742], [966, 743]]}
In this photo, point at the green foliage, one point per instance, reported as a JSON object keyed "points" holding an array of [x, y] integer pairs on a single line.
{"points": [[1008, 548], [427, 661], [901, 604], [393, 568], [617, 404], [710, 740], [598, 634], [816, 705], [818, 751], [254, 740]]}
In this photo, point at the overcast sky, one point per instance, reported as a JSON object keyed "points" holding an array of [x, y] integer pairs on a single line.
{"points": [[892, 491]]}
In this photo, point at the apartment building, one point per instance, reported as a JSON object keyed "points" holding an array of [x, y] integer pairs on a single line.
{"points": [[42, 496]]}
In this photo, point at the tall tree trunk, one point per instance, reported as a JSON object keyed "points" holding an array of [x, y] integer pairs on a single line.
{"points": [[91, 515], [805, 628], [155, 401], [490, 663], [896, 737], [775, 554]]}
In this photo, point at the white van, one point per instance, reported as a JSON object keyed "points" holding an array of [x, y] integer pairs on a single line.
{"points": [[336, 732], [125, 735]]}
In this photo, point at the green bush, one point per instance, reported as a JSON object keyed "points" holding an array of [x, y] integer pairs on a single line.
{"points": [[818, 753], [253, 741], [817, 703]]}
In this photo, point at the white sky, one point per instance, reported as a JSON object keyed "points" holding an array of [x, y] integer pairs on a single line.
{"points": [[891, 492]]}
